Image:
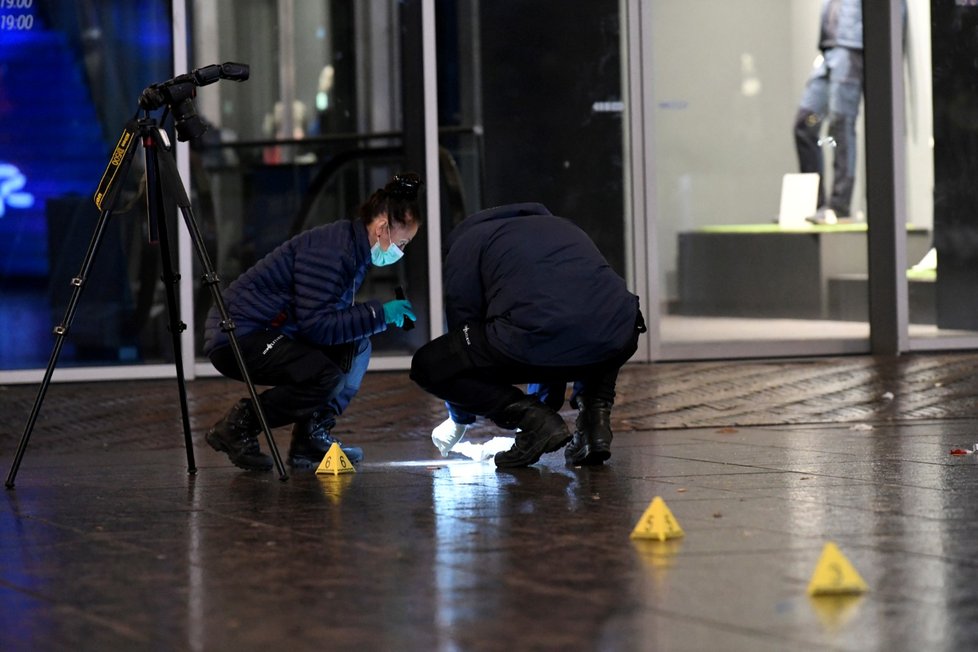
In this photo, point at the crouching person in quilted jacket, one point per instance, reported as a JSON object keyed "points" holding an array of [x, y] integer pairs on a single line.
{"points": [[300, 331]]}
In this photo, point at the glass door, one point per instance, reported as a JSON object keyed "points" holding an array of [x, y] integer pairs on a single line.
{"points": [[940, 286], [531, 109], [71, 75], [327, 117], [760, 238]]}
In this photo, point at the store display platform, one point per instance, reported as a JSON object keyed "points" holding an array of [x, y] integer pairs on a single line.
{"points": [[765, 270]]}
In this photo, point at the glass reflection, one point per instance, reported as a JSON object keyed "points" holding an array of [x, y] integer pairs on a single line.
{"points": [[532, 110], [747, 250], [950, 278], [264, 172], [71, 76]]}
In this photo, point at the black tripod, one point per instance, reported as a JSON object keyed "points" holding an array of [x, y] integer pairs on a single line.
{"points": [[162, 183]]}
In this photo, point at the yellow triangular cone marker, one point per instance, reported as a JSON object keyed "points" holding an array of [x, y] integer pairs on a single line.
{"points": [[335, 461], [834, 575], [657, 523]]}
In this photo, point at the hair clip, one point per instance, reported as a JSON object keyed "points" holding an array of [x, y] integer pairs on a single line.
{"points": [[405, 186]]}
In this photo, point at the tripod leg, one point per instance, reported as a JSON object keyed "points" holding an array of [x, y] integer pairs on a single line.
{"points": [[170, 178], [60, 332], [170, 282], [211, 279]]}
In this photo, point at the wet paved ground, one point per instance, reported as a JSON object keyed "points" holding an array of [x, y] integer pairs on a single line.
{"points": [[107, 543]]}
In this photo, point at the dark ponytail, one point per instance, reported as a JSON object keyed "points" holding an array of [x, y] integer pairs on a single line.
{"points": [[399, 199]]}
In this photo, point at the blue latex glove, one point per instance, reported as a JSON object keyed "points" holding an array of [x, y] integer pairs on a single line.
{"points": [[396, 310]]}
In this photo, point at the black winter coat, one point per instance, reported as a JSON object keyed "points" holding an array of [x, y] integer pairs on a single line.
{"points": [[545, 293]]}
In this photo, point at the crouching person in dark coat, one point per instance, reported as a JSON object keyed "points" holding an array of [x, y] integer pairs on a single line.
{"points": [[529, 299], [300, 330]]}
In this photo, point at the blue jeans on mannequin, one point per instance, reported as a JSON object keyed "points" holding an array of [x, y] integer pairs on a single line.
{"points": [[833, 91]]}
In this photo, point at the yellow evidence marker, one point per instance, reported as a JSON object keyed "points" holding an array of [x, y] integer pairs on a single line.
{"points": [[834, 575], [335, 462], [657, 522]]}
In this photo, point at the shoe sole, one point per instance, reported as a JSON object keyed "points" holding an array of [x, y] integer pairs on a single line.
{"points": [[589, 457], [556, 443], [595, 458], [598, 457], [302, 463], [219, 446], [533, 456]]}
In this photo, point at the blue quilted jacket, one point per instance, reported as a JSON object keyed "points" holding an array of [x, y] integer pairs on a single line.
{"points": [[305, 289]]}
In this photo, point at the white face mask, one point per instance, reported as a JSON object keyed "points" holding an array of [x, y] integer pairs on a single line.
{"points": [[379, 257]]}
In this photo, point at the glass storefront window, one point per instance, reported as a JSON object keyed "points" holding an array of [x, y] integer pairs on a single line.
{"points": [[531, 109], [748, 263], [70, 78], [941, 286], [264, 173]]}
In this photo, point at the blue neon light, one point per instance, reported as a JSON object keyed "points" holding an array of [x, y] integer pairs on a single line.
{"points": [[12, 181]]}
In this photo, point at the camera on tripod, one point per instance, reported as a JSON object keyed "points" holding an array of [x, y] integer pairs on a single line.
{"points": [[163, 185], [178, 95]]}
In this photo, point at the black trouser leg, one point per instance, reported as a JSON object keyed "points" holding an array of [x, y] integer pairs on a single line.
{"points": [[463, 369], [303, 377], [550, 394]]}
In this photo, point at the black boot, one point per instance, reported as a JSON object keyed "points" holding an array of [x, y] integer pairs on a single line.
{"points": [[592, 438], [237, 435], [541, 430], [311, 440]]}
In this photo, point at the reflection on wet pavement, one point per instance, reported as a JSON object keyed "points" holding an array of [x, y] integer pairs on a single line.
{"points": [[107, 543]]}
